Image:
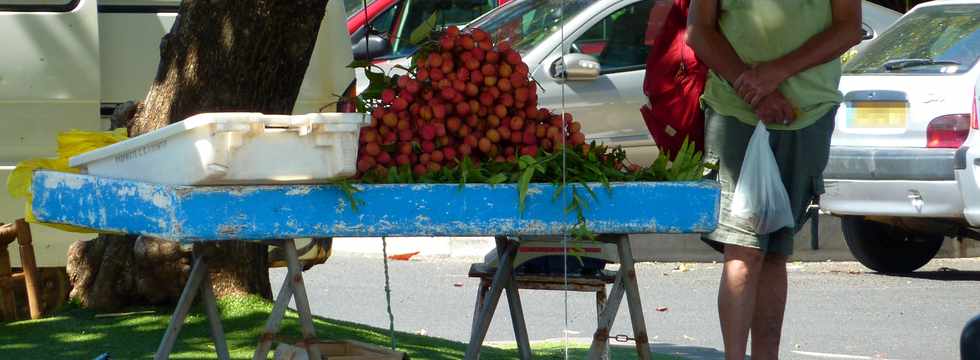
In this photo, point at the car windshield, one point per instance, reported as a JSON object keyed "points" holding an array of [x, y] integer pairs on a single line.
{"points": [[422, 17], [942, 39], [527, 23]]}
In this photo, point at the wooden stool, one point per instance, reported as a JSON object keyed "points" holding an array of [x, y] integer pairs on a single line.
{"points": [[21, 232], [595, 283]]}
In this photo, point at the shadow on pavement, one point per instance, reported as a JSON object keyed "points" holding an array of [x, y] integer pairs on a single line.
{"points": [[941, 275], [685, 351]]}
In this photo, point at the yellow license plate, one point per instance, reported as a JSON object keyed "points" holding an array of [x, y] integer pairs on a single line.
{"points": [[877, 114]]}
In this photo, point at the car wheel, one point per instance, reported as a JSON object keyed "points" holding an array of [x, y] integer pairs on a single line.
{"points": [[887, 248]]}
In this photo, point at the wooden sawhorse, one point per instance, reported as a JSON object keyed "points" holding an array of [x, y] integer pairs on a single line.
{"points": [[504, 280], [292, 287]]}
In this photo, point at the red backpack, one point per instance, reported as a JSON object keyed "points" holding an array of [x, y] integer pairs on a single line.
{"points": [[674, 81]]}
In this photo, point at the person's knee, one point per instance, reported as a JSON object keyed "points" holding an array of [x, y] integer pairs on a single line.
{"points": [[747, 255], [742, 261]]}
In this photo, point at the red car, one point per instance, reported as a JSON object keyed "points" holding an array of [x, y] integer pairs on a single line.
{"points": [[357, 16], [397, 25]]}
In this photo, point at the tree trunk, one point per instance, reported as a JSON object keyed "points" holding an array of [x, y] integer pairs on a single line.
{"points": [[224, 55], [220, 56]]}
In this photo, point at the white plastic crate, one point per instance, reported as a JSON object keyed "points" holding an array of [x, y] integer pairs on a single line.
{"points": [[235, 148]]}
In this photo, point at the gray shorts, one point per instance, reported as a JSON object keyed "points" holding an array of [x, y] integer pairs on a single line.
{"points": [[802, 156]]}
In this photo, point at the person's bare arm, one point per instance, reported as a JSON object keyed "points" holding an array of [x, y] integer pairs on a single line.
{"points": [[658, 16], [843, 33], [709, 43], [714, 50]]}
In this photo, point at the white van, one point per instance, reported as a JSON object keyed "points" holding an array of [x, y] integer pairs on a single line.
{"points": [[66, 64]]}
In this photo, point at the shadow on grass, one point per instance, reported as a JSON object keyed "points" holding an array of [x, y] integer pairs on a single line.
{"points": [[75, 333]]}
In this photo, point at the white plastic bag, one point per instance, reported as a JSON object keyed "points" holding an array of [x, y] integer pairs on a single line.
{"points": [[760, 197]]}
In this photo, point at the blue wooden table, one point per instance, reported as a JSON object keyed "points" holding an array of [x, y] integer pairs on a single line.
{"points": [[281, 213]]}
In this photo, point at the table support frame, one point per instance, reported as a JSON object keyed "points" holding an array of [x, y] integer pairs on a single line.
{"points": [[199, 281], [504, 280]]}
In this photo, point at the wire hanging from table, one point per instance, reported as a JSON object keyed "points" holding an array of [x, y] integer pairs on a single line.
{"points": [[384, 240], [391, 316], [564, 170]]}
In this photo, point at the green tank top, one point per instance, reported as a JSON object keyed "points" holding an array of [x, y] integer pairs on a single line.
{"points": [[764, 30]]}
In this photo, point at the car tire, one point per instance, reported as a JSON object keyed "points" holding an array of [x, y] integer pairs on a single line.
{"points": [[887, 248]]}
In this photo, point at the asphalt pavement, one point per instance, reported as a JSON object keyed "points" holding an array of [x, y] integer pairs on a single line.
{"points": [[837, 310]]}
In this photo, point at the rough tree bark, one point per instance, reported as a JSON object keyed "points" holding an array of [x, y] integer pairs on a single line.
{"points": [[220, 55]]}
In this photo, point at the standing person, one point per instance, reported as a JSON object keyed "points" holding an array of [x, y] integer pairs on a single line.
{"points": [[674, 80], [776, 61]]}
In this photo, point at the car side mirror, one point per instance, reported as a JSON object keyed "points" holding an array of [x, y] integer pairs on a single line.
{"points": [[576, 67], [867, 33], [370, 47]]}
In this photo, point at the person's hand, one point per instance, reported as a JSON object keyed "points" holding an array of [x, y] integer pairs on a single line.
{"points": [[758, 82], [775, 109]]}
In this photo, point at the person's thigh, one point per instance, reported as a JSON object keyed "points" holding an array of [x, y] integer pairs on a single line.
{"points": [[726, 140], [802, 156]]}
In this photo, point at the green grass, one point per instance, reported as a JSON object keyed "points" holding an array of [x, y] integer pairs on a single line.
{"points": [[76, 333]]}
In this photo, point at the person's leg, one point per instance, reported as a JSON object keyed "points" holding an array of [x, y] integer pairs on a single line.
{"points": [[767, 322], [737, 297]]}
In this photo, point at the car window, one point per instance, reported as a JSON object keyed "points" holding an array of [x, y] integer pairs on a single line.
{"points": [[383, 22], [942, 39], [38, 5], [353, 6], [615, 41], [422, 17], [525, 24]]}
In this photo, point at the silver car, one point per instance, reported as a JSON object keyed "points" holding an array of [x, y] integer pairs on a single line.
{"points": [[907, 103], [604, 70], [600, 79]]}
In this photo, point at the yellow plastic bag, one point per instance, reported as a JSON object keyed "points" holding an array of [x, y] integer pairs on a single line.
{"points": [[70, 143]]}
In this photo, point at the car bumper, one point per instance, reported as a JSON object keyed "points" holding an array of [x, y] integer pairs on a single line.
{"points": [[892, 182], [856, 163], [967, 164]]}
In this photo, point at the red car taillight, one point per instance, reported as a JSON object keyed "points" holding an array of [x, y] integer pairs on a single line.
{"points": [[948, 131]]}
